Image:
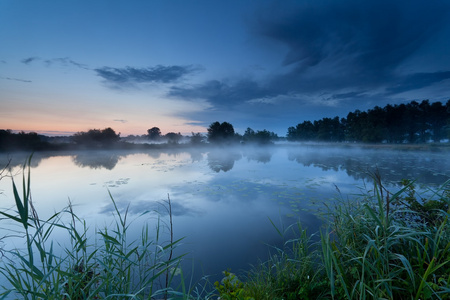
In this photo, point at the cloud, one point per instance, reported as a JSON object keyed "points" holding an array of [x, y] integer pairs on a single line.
{"points": [[353, 36], [66, 61], [157, 74], [29, 60], [222, 93], [16, 79], [121, 121], [417, 81], [335, 51], [63, 61]]}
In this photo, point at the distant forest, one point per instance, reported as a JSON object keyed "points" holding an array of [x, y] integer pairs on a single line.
{"points": [[405, 123]]}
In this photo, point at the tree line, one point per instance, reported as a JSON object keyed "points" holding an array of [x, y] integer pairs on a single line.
{"points": [[405, 123]]}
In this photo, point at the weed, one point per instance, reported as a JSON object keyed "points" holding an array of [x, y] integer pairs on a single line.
{"points": [[113, 267]]}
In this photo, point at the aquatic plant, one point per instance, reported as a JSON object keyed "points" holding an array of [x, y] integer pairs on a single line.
{"points": [[371, 249], [371, 252], [112, 267]]}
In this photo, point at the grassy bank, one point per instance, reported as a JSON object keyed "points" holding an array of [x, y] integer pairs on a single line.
{"points": [[381, 245]]}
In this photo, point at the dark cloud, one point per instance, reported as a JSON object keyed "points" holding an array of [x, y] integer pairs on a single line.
{"points": [[335, 51], [417, 81], [354, 37], [63, 61], [222, 93], [29, 60], [121, 121], [157, 74], [16, 79]]}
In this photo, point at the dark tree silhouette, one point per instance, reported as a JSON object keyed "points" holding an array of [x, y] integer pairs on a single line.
{"points": [[173, 138], [22, 141], [412, 122], [197, 138], [154, 133], [260, 136], [220, 132], [97, 138]]}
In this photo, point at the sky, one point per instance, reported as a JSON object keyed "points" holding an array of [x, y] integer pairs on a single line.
{"points": [[180, 65]]}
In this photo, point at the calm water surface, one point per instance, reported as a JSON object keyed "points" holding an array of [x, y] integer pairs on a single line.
{"points": [[222, 199]]}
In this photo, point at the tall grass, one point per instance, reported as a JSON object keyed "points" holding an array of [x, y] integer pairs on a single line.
{"points": [[374, 251], [381, 245], [107, 266]]}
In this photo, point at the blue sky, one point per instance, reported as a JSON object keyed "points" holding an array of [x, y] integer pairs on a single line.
{"points": [[68, 66]]}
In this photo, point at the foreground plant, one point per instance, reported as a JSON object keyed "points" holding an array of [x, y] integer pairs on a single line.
{"points": [[374, 252], [111, 268], [378, 246]]}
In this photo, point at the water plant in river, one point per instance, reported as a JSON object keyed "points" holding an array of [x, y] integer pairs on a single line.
{"points": [[110, 267], [372, 252], [372, 249]]}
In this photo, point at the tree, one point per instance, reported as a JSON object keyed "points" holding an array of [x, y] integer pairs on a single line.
{"points": [[260, 136], [97, 137], [173, 138], [220, 132], [197, 138], [154, 133]]}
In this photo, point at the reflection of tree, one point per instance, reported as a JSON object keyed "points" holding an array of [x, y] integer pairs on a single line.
{"points": [[222, 160], [97, 160], [394, 166], [18, 159], [263, 154], [196, 155]]}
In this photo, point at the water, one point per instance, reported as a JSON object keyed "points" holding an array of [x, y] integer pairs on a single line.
{"points": [[222, 199]]}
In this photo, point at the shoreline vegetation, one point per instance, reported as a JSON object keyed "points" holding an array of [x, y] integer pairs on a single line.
{"points": [[409, 125], [380, 245]]}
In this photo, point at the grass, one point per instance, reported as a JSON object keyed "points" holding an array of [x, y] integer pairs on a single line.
{"points": [[111, 268], [380, 246]]}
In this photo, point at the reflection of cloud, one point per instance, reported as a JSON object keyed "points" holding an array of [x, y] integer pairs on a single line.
{"points": [[160, 207]]}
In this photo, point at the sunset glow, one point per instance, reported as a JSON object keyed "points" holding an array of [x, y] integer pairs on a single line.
{"points": [[72, 66]]}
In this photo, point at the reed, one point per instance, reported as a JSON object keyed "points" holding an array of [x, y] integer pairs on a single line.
{"points": [[372, 251], [111, 267], [380, 245]]}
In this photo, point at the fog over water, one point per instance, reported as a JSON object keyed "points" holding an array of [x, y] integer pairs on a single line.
{"points": [[222, 198]]}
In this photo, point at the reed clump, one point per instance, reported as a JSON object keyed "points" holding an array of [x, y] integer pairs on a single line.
{"points": [[378, 246], [381, 245], [107, 266]]}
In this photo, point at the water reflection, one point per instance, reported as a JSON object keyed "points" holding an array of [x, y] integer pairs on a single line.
{"points": [[221, 198], [97, 160], [426, 167], [155, 208], [220, 160]]}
